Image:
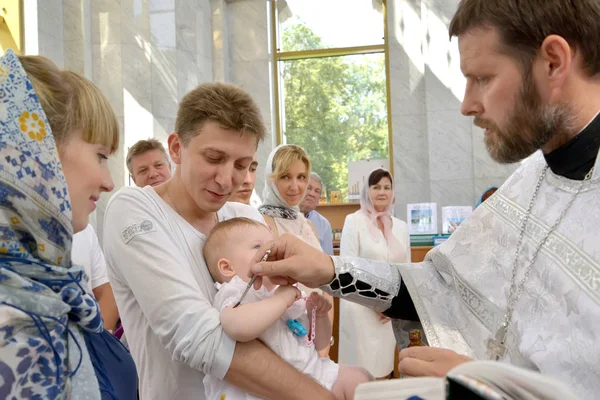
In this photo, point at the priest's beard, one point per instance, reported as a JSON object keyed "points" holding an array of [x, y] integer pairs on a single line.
{"points": [[529, 125]]}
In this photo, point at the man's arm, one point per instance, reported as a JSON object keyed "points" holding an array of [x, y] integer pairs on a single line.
{"points": [[257, 370], [108, 306]]}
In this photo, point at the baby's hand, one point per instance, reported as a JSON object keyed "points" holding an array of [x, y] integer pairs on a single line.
{"points": [[289, 293], [323, 304]]}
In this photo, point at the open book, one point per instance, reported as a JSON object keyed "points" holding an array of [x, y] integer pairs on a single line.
{"points": [[489, 380]]}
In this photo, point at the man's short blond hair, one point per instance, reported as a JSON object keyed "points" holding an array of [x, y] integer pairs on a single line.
{"points": [[225, 104], [217, 242], [144, 146]]}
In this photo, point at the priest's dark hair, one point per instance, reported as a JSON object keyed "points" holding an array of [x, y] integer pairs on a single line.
{"points": [[524, 24]]}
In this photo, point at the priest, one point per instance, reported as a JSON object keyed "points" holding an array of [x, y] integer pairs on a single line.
{"points": [[519, 281]]}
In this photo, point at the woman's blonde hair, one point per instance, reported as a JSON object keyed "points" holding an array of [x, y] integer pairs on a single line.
{"points": [[286, 156], [71, 102]]}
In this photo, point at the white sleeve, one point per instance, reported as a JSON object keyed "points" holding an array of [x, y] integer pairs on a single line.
{"points": [[145, 258], [228, 295], [99, 275], [349, 246], [401, 234]]}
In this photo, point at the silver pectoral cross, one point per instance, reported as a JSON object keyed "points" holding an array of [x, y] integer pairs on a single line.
{"points": [[496, 345]]}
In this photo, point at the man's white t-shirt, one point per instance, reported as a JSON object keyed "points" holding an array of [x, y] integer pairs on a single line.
{"points": [[86, 251], [164, 293]]}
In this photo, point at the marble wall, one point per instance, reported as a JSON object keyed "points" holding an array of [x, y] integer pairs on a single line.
{"points": [[439, 156], [143, 54]]}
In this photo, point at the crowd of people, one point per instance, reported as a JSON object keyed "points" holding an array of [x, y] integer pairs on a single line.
{"points": [[220, 297]]}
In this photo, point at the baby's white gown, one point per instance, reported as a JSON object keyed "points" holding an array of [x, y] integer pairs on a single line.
{"points": [[278, 338]]}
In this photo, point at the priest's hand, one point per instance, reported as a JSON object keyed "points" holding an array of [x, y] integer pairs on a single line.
{"points": [[428, 361], [292, 260]]}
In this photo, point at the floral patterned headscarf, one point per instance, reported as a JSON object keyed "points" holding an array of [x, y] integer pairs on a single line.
{"points": [[44, 307]]}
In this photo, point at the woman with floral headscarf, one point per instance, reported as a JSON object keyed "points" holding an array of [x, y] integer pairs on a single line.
{"points": [[56, 133], [366, 337]]}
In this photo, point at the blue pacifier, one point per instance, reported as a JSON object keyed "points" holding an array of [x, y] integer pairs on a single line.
{"points": [[296, 327]]}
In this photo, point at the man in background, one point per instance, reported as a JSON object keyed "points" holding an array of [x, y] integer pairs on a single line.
{"points": [[148, 163], [307, 207], [246, 190]]}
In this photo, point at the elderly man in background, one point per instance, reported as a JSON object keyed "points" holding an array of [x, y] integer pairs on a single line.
{"points": [[148, 163], [307, 207]]}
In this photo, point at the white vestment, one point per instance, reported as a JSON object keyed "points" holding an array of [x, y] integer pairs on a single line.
{"points": [[460, 291]]}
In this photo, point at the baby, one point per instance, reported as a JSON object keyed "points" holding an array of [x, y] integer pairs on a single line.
{"points": [[271, 313]]}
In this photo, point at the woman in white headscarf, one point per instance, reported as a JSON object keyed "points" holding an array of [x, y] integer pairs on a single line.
{"points": [[286, 178], [366, 337]]}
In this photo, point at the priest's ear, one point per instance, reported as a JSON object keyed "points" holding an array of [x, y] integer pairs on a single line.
{"points": [[557, 59]]}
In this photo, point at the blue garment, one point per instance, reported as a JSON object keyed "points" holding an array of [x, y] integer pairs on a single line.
{"points": [[323, 228], [115, 369]]}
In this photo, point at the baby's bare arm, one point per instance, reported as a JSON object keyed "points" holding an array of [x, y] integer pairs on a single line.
{"points": [[248, 321]]}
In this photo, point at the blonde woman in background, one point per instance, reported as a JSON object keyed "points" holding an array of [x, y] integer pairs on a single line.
{"points": [[286, 177], [366, 337], [286, 174]]}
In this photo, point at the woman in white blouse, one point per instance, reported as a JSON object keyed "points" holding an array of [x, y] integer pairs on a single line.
{"points": [[366, 337]]}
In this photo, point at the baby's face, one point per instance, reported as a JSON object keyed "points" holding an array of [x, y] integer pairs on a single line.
{"points": [[245, 241]]}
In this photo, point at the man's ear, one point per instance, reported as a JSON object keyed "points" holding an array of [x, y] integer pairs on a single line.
{"points": [[175, 147], [225, 268], [557, 56]]}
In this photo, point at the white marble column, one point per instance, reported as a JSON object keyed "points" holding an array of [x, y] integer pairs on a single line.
{"points": [[144, 55], [50, 31], [409, 98], [220, 45], [247, 22]]}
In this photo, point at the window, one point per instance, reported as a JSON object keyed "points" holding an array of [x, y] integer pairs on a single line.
{"points": [[331, 87]]}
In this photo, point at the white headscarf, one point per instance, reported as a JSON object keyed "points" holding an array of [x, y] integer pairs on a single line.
{"points": [[396, 250], [274, 205]]}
